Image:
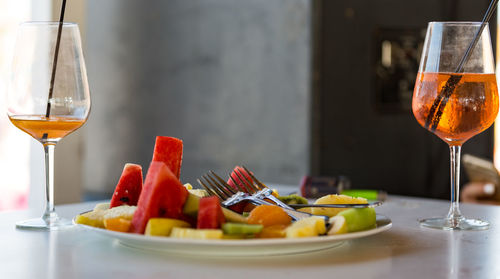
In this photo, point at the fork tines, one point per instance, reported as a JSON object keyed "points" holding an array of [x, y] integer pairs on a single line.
{"points": [[251, 185], [216, 186], [260, 184]]}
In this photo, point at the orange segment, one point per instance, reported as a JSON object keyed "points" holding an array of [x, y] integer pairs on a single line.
{"points": [[269, 215], [274, 231], [117, 224]]}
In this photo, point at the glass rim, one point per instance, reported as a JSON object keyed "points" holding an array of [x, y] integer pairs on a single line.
{"points": [[47, 23], [471, 23]]}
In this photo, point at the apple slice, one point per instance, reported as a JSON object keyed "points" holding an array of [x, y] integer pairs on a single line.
{"points": [[359, 219], [339, 225]]}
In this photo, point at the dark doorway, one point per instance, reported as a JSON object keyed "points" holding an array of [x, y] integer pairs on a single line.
{"points": [[362, 122]]}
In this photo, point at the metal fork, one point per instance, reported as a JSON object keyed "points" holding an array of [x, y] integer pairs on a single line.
{"points": [[260, 191], [264, 192], [216, 186]]}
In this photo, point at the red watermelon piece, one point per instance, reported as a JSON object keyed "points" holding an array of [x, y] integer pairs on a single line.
{"points": [[163, 195], [129, 187], [239, 207], [236, 174], [169, 151], [210, 215]]}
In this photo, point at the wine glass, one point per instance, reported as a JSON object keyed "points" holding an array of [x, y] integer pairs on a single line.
{"points": [[48, 96], [455, 99]]}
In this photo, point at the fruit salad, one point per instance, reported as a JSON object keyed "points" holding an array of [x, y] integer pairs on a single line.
{"points": [[162, 206]]}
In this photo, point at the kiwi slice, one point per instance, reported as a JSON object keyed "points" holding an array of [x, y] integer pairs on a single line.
{"points": [[240, 228]]}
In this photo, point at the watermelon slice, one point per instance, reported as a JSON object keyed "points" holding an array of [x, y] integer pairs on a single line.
{"points": [[129, 187], [210, 214], [239, 207], [163, 196], [169, 151], [236, 174]]}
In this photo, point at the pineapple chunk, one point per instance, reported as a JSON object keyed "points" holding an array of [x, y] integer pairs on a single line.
{"points": [[334, 199], [163, 226], [92, 218], [122, 211], [101, 206], [196, 233], [199, 192], [307, 227], [96, 217]]}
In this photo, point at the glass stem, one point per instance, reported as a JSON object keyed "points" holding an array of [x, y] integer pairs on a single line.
{"points": [[454, 215], [50, 213]]}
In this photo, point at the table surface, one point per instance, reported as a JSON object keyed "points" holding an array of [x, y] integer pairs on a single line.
{"points": [[404, 251]]}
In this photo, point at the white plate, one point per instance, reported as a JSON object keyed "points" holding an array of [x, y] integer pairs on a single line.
{"points": [[230, 247]]}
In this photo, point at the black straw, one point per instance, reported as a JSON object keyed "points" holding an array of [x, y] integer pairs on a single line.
{"points": [[56, 54], [486, 18], [442, 99]]}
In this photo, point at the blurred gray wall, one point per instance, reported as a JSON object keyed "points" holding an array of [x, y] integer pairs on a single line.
{"points": [[230, 78]]}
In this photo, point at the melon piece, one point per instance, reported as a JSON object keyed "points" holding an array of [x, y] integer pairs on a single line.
{"points": [[101, 206], [359, 219], [92, 218], [163, 196], [335, 199], [191, 207], [236, 174], [163, 226], [307, 227], [122, 211], [117, 224], [129, 187], [210, 214], [196, 234], [169, 151]]}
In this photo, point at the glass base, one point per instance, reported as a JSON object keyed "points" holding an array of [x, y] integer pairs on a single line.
{"points": [[48, 224], [455, 224]]}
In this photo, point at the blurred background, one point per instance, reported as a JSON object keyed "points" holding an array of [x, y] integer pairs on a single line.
{"points": [[285, 87]]}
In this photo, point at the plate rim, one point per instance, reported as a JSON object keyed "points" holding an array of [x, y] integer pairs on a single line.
{"points": [[383, 224]]}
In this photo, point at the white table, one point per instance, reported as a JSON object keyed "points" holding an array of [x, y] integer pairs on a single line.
{"points": [[405, 251]]}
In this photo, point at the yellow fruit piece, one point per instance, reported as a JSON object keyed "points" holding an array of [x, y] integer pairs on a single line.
{"points": [[122, 211], [117, 224], [276, 193], [339, 225], [188, 186], [269, 215], [199, 192], [101, 206], [196, 234], [334, 199], [96, 217], [307, 227], [163, 226], [276, 231], [305, 209], [92, 218]]}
